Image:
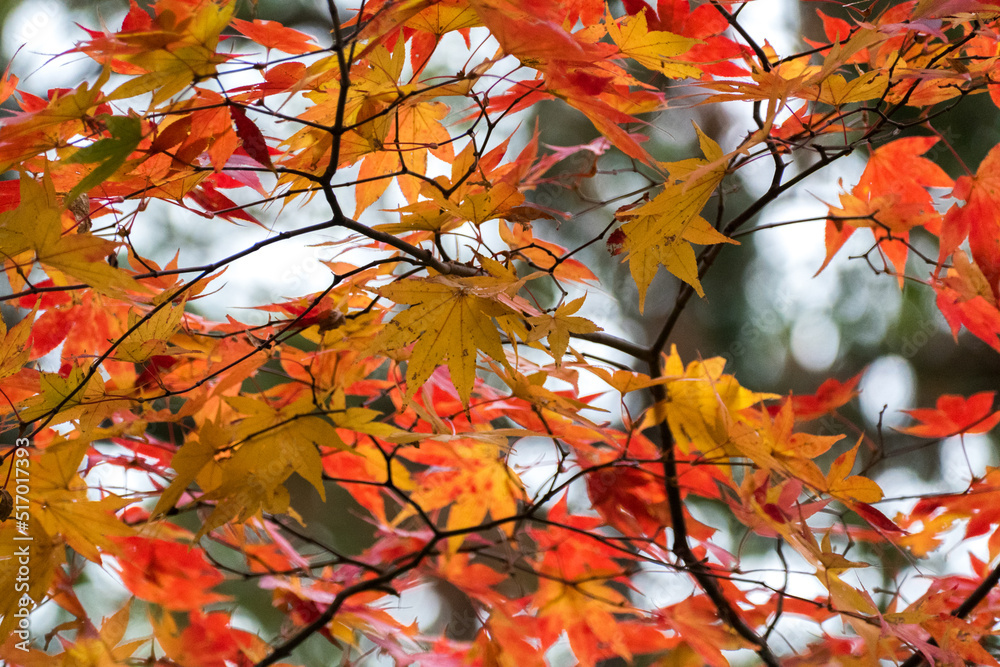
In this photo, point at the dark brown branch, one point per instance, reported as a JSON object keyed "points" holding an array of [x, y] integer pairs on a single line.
{"points": [[682, 549]]}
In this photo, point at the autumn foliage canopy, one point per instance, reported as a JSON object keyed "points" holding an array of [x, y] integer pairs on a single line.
{"points": [[453, 336]]}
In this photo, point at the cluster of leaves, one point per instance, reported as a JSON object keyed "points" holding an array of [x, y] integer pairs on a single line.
{"points": [[409, 381]]}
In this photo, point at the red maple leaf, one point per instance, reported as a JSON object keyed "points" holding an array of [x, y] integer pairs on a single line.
{"points": [[954, 415]]}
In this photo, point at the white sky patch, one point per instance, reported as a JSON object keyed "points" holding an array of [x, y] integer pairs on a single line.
{"points": [[777, 19], [889, 381], [419, 604], [38, 29], [815, 341], [963, 456]]}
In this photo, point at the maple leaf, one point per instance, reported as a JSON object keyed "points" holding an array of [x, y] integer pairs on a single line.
{"points": [[977, 220], [955, 415], [150, 333], [965, 297], [654, 49], [244, 466], [171, 56], [209, 640], [97, 647], [626, 381], [208, 197], [543, 254], [14, 350], [430, 377], [448, 319], [415, 133], [35, 226], [836, 90], [112, 633], [831, 395], [506, 640], [773, 446], [167, 573], [60, 506], [469, 477], [580, 600], [661, 231], [888, 204], [959, 638], [32, 133], [253, 140], [852, 488], [699, 399], [273, 35], [8, 83], [557, 327], [768, 505], [45, 558], [533, 37], [937, 514], [585, 611]]}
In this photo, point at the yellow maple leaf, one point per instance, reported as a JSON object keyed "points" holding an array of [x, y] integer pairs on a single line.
{"points": [[653, 49], [35, 225], [444, 17], [151, 336], [836, 90], [845, 486], [531, 388], [626, 381], [196, 459], [243, 472], [449, 319], [558, 326], [59, 503], [103, 650], [14, 349], [660, 232], [771, 444], [286, 438], [76, 396], [700, 399], [244, 467], [444, 215], [43, 556]]}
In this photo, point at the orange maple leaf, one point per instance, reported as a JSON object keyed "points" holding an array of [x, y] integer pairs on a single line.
{"points": [[831, 395], [173, 575], [890, 198]]}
